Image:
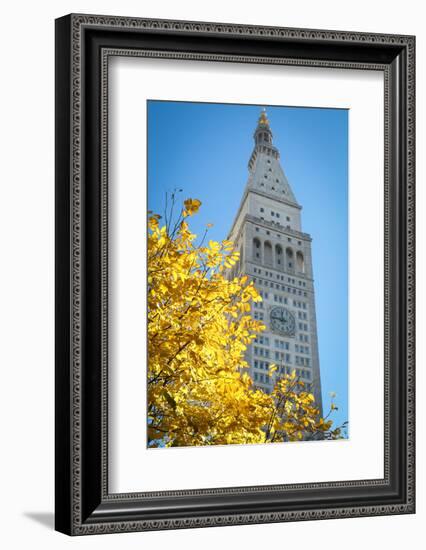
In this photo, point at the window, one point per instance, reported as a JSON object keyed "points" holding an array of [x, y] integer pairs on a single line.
{"points": [[288, 218], [272, 213], [300, 262], [256, 248], [277, 214], [257, 229], [262, 210], [268, 253]]}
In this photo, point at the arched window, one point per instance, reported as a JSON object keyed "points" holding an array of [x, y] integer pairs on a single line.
{"points": [[278, 256], [268, 253], [241, 258], [289, 258], [256, 249], [300, 262]]}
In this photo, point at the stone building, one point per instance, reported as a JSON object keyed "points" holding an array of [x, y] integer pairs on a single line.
{"points": [[276, 254]]}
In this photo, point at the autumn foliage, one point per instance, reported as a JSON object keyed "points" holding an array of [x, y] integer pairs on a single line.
{"points": [[199, 326]]}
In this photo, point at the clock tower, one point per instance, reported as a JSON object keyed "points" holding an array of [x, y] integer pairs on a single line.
{"points": [[276, 254]]}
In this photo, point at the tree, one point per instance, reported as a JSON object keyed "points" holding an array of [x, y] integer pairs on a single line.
{"points": [[199, 326]]}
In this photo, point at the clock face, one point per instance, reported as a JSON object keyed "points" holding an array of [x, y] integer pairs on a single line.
{"points": [[283, 321]]}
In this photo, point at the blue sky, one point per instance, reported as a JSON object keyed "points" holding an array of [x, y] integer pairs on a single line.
{"points": [[204, 148]]}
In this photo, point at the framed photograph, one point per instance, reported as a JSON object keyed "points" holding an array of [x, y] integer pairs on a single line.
{"points": [[234, 274]]}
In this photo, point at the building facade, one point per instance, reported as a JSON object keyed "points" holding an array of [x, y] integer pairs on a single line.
{"points": [[276, 254]]}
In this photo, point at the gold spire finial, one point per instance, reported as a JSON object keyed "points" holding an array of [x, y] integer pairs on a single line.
{"points": [[263, 119]]}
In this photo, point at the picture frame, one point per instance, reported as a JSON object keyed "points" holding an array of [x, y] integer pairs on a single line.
{"points": [[83, 503]]}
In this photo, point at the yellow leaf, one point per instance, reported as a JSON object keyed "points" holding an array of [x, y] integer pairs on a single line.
{"points": [[192, 206]]}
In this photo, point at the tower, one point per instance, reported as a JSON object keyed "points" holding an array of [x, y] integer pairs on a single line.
{"points": [[276, 255]]}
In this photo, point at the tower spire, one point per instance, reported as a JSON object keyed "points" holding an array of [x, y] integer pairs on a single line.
{"points": [[266, 173], [263, 119], [263, 133]]}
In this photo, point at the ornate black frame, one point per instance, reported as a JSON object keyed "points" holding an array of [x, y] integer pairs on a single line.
{"points": [[83, 46]]}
